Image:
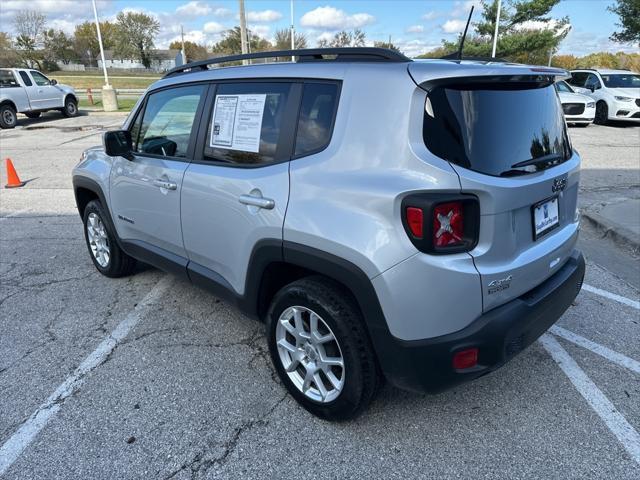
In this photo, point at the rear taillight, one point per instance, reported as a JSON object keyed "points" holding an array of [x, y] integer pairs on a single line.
{"points": [[465, 359], [440, 223], [448, 224]]}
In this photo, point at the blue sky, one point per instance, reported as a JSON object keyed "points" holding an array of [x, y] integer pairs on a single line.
{"points": [[414, 25]]}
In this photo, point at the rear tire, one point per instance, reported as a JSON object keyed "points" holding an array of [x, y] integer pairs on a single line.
{"points": [[8, 116], [602, 113], [70, 108], [106, 254], [340, 334], [33, 114]]}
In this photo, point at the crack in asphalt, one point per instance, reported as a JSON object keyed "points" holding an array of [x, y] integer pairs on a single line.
{"points": [[198, 466]]}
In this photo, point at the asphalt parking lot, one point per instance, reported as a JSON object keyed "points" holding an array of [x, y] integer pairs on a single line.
{"points": [[150, 377]]}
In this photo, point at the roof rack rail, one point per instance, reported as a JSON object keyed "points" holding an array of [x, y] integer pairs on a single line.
{"points": [[454, 56], [345, 54]]}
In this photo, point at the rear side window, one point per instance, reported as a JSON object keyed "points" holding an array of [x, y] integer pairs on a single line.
{"points": [[7, 79], [317, 113], [578, 78], [25, 78], [492, 129], [167, 122], [592, 81], [246, 123], [40, 79]]}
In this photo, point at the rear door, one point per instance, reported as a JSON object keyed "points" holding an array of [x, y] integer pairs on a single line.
{"points": [[145, 191], [509, 145], [235, 193], [42, 94]]}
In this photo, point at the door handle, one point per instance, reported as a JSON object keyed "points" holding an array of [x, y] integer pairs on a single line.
{"points": [[165, 184], [259, 202]]}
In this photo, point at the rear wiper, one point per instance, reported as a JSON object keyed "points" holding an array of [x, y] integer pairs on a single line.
{"points": [[551, 158]]}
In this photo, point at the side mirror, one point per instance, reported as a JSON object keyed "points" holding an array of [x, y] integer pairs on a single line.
{"points": [[117, 143], [53, 81], [592, 88]]}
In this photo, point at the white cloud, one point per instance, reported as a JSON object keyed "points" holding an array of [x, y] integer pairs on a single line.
{"points": [[194, 8], [263, 31], [580, 42], [415, 29], [453, 26], [431, 15], [66, 26], [222, 12], [264, 16], [214, 27], [327, 36], [331, 18], [462, 8], [413, 48]]}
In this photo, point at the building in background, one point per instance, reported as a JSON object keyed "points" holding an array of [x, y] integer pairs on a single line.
{"points": [[161, 61]]}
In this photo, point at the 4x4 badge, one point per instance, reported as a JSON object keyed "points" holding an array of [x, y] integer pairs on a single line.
{"points": [[559, 185]]}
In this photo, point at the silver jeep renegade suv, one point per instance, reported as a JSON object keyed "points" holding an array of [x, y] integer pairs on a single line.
{"points": [[413, 221]]}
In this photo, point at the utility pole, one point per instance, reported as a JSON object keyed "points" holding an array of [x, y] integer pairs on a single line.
{"points": [[495, 34], [109, 98], [243, 30], [293, 34], [184, 52]]}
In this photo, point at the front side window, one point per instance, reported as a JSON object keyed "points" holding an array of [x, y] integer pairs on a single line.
{"points": [[7, 79], [40, 79], [246, 122], [25, 78], [166, 125], [563, 87], [592, 82], [315, 123], [499, 130], [625, 80]]}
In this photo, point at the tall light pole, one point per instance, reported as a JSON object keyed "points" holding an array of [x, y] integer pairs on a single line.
{"points": [[495, 34], [109, 98], [293, 34], [243, 30]]}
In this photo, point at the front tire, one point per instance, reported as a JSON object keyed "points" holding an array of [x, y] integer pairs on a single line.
{"points": [[8, 116], [106, 254], [321, 349], [70, 108], [602, 113]]}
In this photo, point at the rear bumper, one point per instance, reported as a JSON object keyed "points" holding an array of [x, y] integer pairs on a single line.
{"points": [[500, 334]]}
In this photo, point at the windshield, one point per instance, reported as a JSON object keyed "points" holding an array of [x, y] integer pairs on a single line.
{"points": [[491, 129], [563, 87], [621, 80]]}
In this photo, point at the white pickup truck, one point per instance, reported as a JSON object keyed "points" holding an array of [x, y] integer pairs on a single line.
{"points": [[27, 91]]}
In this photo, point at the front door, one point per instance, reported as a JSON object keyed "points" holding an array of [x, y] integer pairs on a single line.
{"points": [[145, 191], [42, 94], [235, 193]]}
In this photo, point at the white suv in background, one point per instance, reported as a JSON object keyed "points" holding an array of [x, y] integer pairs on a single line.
{"points": [[616, 92]]}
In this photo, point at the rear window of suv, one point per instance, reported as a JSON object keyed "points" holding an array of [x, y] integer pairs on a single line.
{"points": [[496, 129]]}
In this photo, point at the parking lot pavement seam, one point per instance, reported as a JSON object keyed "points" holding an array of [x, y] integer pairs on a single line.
{"points": [[611, 355], [199, 465], [604, 408], [27, 432]]}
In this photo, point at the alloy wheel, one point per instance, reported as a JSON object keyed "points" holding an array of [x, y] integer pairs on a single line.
{"points": [[310, 354], [98, 240]]}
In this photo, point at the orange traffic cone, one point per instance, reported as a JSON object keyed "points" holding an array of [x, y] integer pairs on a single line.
{"points": [[13, 180]]}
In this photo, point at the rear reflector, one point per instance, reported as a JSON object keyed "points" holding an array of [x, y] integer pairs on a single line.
{"points": [[414, 220], [465, 359], [448, 224]]}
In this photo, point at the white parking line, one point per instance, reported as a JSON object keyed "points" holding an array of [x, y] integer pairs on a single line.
{"points": [[601, 350], [15, 445], [612, 296], [614, 420]]}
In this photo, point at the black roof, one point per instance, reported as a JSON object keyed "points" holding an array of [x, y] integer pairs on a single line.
{"points": [[347, 54]]}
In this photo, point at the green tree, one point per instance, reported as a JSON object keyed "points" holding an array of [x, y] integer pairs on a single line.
{"points": [[231, 43], [192, 50], [85, 40], [355, 38], [629, 13], [58, 47], [8, 55], [283, 40], [526, 32], [135, 36], [388, 45]]}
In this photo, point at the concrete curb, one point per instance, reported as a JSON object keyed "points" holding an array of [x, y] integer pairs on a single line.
{"points": [[616, 232]]}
